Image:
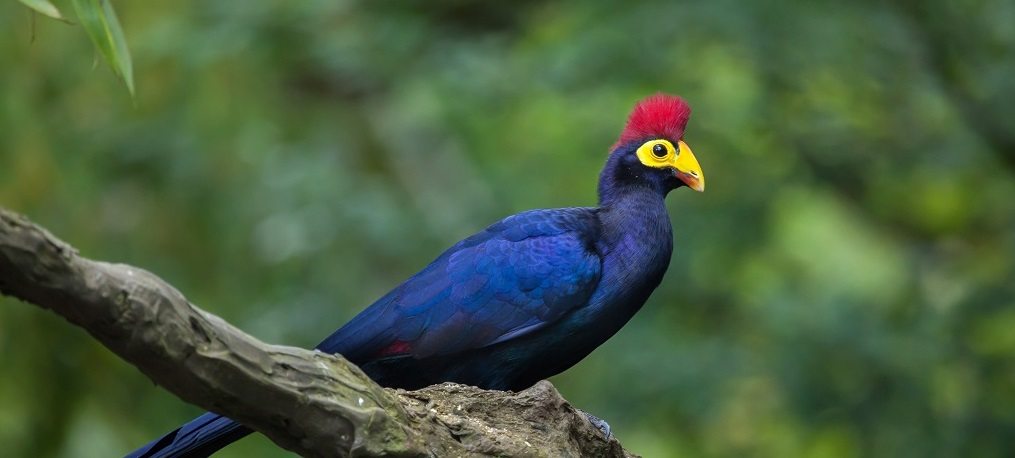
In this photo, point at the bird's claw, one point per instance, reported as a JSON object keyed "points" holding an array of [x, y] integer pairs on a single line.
{"points": [[599, 423]]}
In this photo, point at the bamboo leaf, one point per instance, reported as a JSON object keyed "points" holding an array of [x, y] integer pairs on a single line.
{"points": [[99, 20], [44, 7]]}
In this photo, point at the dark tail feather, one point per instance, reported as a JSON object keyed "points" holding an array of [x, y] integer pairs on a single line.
{"points": [[198, 438]]}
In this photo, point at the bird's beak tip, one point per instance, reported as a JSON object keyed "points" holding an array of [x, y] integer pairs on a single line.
{"points": [[687, 169], [695, 182]]}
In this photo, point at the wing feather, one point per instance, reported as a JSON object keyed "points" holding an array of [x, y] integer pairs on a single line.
{"points": [[517, 276]]}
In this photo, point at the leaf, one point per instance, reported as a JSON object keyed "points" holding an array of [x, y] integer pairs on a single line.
{"points": [[99, 20], [44, 7]]}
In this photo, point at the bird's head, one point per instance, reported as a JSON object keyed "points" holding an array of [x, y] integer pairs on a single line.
{"points": [[651, 149]]}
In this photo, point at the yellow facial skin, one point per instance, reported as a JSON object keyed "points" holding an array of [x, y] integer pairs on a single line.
{"points": [[661, 154]]}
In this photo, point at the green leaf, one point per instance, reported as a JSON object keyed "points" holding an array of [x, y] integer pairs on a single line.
{"points": [[99, 20], [44, 7]]}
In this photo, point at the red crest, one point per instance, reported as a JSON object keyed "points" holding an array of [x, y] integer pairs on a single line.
{"points": [[659, 116]]}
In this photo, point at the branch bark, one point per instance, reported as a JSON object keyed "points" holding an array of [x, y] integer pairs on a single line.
{"points": [[309, 402]]}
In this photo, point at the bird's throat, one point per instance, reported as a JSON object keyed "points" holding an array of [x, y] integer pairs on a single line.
{"points": [[636, 224]]}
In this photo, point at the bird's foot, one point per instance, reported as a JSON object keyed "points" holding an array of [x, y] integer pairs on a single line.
{"points": [[599, 423]]}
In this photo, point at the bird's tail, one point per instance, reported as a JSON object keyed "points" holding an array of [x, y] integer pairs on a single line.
{"points": [[198, 438]]}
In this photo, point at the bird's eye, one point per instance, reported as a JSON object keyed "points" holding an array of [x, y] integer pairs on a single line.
{"points": [[659, 151], [656, 153]]}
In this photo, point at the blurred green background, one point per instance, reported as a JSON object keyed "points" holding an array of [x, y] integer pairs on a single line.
{"points": [[845, 287]]}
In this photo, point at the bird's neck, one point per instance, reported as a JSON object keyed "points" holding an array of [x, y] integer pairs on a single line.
{"points": [[636, 216], [635, 224], [636, 230], [629, 205], [636, 244]]}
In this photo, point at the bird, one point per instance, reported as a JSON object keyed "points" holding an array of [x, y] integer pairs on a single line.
{"points": [[524, 299]]}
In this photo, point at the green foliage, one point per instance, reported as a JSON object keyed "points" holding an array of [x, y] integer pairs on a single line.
{"points": [[99, 20], [44, 7], [843, 287]]}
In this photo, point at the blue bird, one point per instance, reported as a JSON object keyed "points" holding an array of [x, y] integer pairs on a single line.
{"points": [[524, 299]]}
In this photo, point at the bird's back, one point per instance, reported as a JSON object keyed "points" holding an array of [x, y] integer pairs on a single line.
{"points": [[513, 279]]}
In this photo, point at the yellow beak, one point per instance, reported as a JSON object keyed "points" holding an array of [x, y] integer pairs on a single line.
{"points": [[687, 168]]}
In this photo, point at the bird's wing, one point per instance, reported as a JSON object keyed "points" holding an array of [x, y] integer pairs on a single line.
{"points": [[518, 275]]}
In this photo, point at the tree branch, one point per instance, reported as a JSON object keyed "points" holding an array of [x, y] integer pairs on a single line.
{"points": [[311, 403]]}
